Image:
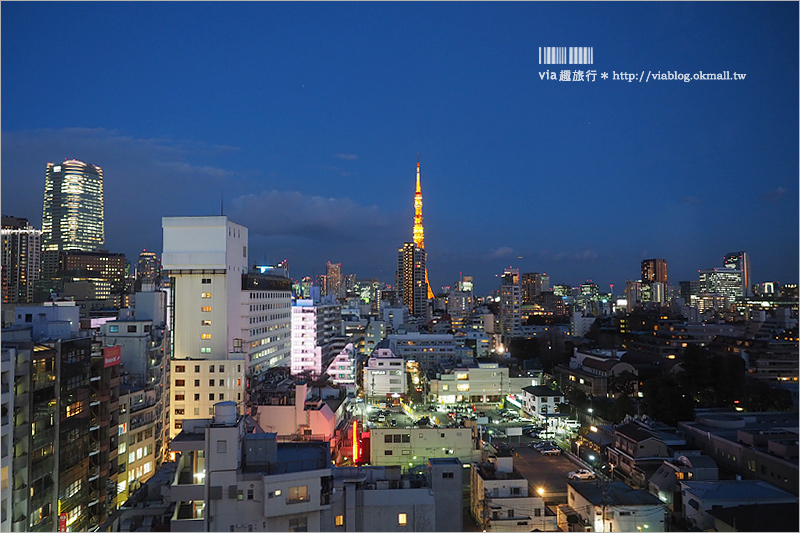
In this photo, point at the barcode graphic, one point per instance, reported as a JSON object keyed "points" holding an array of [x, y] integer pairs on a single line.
{"points": [[562, 55]]}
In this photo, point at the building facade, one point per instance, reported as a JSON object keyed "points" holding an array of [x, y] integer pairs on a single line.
{"points": [[73, 214], [22, 247], [227, 324], [510, 304]]}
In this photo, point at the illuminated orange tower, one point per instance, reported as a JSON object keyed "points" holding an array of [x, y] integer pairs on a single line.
{"points": [[419, 231]]}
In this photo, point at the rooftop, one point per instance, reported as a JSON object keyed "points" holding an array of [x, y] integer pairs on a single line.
{"points": [[542, 390], [616, 493], [751, 490], [764, 517]]}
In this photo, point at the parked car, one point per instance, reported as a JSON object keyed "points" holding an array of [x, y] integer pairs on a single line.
{"points": [[551, 451], [581, 473]]}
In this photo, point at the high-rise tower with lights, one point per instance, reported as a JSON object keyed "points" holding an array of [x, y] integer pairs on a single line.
{"points": [[73, 215], [412, 273], [419, 231]]}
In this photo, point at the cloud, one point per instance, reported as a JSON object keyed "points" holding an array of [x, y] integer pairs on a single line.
{"points": [[503, 251], [689, 200], [347, 157], [292, 213], [775, 195], [586, 255]]}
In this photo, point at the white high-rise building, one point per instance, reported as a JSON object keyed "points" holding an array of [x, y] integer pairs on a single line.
{"points": [[227, 324], [314, 324]]}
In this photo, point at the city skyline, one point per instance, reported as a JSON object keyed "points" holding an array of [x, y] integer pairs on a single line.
{"points": [[302, 122]]}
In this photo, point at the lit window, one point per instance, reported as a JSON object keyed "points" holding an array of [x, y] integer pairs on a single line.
{"points": [[339, 520], [206, 309], [298, 494], [205, 336], [402, 519], [205, 322], [205, 295], [180, 383]]}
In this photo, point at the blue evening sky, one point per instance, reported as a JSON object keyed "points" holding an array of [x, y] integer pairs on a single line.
{"points": [[308, 117]]}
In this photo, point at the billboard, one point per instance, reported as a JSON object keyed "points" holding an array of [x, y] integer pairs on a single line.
{"points": [[112, 355]]}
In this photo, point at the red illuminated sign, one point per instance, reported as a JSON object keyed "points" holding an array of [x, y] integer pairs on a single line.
{"points": [[62, 522], [112, 355]]}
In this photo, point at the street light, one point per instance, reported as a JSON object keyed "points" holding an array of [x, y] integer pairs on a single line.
{"points": [[540, 491]]}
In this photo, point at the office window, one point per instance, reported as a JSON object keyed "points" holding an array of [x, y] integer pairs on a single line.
{"points": [[205, 336], [298, 494], [222, 368], [180, 368], [210, 382], [250, 494], [113, 329], [205, 281], [387, 452], [180, 383], [211, 396], [205, 295], [221, 397], [178, 411], [339, 520], [205, 322], [197, 409], [449, 475], [402, 519], [211, 368], [197, 398], [387, 438], [197, 368], [197, 383], [205, 350], [206, 309], [131, 329]]}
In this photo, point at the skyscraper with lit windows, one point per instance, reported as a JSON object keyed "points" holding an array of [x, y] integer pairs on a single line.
{"points": [[740, 261], [73, 215]]}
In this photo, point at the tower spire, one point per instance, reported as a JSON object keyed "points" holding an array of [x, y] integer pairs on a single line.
{"points": [[419, 231]]}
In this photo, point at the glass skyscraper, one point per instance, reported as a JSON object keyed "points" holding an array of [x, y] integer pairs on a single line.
{"points": [[73, 215]]}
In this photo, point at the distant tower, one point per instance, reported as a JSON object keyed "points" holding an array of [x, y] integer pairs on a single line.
{"points": [[412, 284], [333, 280], [654, 270], [22, 246], [510, 304], [654, 280], [740, 261], [419, 231], [148, 270], [73, 215]]}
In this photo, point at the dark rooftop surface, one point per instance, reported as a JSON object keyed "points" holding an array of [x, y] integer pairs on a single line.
{"points": [[616, 493], [766, 517]]}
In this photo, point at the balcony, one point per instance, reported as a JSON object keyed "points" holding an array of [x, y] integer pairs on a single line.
{"points": [[187, 518], [22, 431]]}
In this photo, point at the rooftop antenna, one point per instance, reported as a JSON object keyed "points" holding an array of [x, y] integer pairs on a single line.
{"points": [[221, 201]]}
